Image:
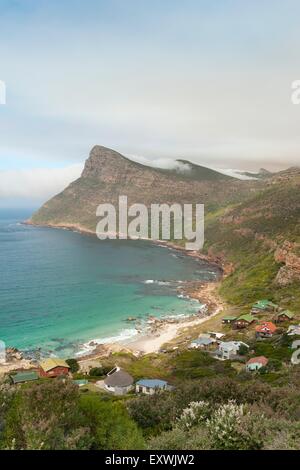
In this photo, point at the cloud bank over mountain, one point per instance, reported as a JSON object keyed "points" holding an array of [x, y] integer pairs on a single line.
{"points": [[33, 186]]}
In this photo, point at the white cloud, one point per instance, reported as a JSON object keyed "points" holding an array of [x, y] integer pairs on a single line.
{"points": [[36, 185], [182, 167]]}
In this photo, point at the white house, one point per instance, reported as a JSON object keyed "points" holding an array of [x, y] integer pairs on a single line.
{"points": [[118, 381], [229, 349]]}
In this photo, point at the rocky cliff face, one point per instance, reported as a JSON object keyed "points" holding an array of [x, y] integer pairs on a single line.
{"points": [[289, 254]]}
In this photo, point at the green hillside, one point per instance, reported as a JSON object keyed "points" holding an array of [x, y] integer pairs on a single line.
{"points": [[261, 237]]}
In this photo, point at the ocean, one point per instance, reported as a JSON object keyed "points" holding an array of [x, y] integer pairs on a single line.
{"points": [[59, 289]]}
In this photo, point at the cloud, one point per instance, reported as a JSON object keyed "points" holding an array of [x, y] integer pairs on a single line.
{"points": [[184, 167], [164, 163], [34, 186], [181, 79]]}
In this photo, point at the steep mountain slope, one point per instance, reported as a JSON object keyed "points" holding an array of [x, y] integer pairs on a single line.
{"points": [[107, 174], [261, 238]]}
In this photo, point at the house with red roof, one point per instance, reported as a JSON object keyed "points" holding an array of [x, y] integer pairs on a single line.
{"points": [[255, 363], [265, 329]]}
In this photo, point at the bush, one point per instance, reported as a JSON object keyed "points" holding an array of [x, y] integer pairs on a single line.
{"points": [[178, 439], [195, 413], [96, 372], [232, 427], [73, 364], [111, 426], [46, 416]]}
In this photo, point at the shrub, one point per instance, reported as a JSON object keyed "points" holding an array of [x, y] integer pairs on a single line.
{"points": [[46, 416], [195, 413], [111, 426], [99, 371], [232, 427], [73, 364]]}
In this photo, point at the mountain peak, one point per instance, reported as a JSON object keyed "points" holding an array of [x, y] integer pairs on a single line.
{"points": [[102, 158]]}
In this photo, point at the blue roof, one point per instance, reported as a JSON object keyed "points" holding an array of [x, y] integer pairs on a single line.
{"points": [[152, 383]]}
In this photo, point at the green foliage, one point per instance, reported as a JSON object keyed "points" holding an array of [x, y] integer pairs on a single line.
{"points": [[243, 350], [195, 364], [232, 427], [45, 416], [197, 412], [97, 372], [111, 426], [196, 438], [73, 364], [272, 351]]}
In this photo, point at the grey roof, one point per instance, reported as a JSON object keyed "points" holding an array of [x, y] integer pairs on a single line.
{"points": [[120, 378], [203, 341], [152, 383], [231, 345]]}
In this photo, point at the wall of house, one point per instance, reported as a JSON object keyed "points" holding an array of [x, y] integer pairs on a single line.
{"points": [[55, 372], [118, 390]]}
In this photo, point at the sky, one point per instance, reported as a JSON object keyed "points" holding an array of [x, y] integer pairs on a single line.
{"points": [[205, 80]]}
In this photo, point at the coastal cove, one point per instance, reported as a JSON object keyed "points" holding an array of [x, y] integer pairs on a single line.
{"points": [[64, 292]]}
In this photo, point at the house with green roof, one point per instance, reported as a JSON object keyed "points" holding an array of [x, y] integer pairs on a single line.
{"points": [[285, 315], [244, 321], [228, 319], [264, 306], [23, 377]]}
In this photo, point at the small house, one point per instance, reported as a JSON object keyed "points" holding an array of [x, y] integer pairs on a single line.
{"points": [[244, 321], [118, 381], [265, 329], [23, 377], [151, 386], [215, 335], [53, 367], [229, 349], [285, 315], [255, 363], [229, 319], [202, 343], [264, 306]]}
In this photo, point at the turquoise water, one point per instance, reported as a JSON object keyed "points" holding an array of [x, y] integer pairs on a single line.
{"points": [[60, 289]]}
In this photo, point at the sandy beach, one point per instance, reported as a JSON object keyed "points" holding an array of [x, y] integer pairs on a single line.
{"points": [[162, 331]]}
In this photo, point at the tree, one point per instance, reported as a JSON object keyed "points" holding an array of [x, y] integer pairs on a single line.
{"points": [[73, 364], [96, 372], [243, 350]]}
